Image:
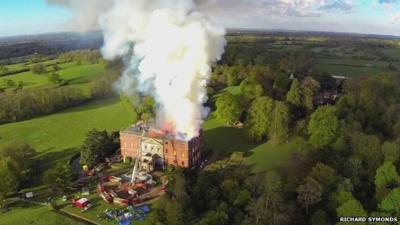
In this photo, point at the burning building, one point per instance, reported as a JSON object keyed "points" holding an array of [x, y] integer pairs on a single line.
{"points": [[157, 149]]}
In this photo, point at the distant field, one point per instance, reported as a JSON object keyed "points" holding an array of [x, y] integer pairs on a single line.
{"points": [[350, 71], [71, 72], [34, 215], [353, 62], [392, 53]]}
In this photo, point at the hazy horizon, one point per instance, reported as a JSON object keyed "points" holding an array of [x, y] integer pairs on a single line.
{"points": [[380, 17]]}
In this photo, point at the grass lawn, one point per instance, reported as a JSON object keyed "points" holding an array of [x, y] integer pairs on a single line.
{"points": [[224, 141], [57, 136], [27, 214], [270, 156]]}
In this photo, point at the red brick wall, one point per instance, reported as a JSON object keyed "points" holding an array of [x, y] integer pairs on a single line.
{"points": [[175, 152], [129, 144]]}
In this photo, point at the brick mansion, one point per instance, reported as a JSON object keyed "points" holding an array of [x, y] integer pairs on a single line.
{"points": [[157, 150]]}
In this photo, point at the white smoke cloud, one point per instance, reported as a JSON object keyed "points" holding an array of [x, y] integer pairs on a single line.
{"points": [[169, 46], [85, 12]]}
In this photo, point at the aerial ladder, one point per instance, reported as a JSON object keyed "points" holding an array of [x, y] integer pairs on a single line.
{"points": [[138, 159]]}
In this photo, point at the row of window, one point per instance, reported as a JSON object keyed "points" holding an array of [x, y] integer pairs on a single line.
{"points": [[175, 162]]}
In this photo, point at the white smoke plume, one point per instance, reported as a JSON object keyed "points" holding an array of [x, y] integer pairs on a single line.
{"points": [[170, 46]]}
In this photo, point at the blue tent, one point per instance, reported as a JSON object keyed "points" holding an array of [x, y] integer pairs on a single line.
{"points": [[125, 222], [144, 208]]}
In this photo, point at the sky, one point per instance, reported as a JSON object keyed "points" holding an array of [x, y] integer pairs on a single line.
{"points": [[18, 17]]}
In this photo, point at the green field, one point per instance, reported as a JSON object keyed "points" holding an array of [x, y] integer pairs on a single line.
{"points": [[57, 136], [67, 129], [26, 214], [264, 156], [270, 156], [74, 74], [350, 71]]}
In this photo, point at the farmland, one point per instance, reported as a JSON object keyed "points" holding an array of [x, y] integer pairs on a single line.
{"points": [[72, 73]]}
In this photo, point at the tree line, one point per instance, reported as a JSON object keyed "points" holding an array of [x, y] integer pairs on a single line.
{"points": [[25, 104], [351, 169], [17, 160]]}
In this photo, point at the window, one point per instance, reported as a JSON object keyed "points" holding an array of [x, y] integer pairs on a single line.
{"points": [[183, 163], [183, 154]]}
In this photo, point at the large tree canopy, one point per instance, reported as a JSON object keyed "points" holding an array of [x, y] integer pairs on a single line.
{"points": [[21, 156], [260, 117], [294, 96], [97, 145], [229, 108], [323, 126], [279, 130]]}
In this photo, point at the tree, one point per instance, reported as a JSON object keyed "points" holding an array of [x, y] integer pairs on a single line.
{"points": [[351, 208], [60, 177], [39, 68], [20, 85], [97, 145], [294, 96], [174, 213], [368, 149], [391, 152], [8, 83], [259, 118], [270, 207], [386, 175], [310, 88], [179, 189], [3, 69], [251, 89], [309, 193], [273, 183], [214, 218], [146, 108], [229, 108], [324, 175], [390, 203], [281, 83], [323, 126], [319, 217], [103, 86], [8, 180], [55, 78], [56, 67], [279, 130], [21, 157]]}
